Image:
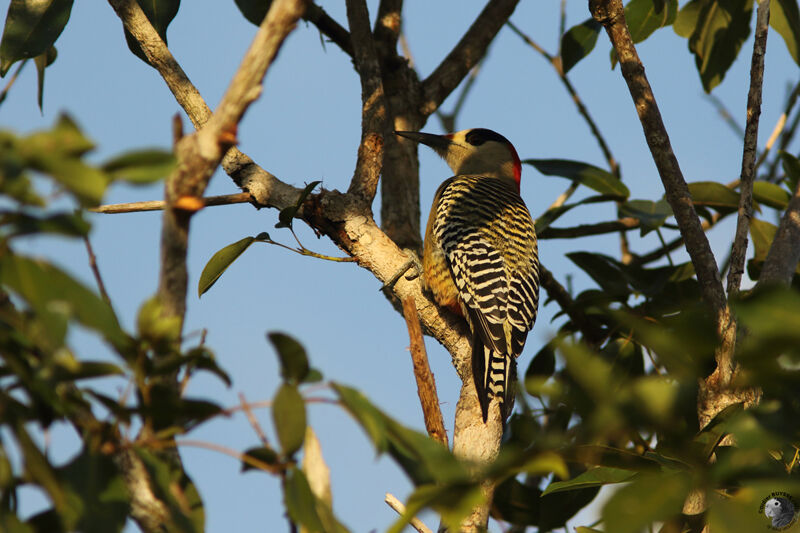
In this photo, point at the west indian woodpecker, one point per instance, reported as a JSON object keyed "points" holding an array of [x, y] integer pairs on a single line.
{"points": [[480, 257]]}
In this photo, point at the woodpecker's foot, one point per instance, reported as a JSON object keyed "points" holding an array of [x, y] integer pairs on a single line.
{"points": [[411, 268]]}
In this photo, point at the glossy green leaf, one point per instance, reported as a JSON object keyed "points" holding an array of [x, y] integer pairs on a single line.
{"points": [[254, 10], [160, 13], [286, 216], [771, 194], [265, 454], [578, 42], [219, 262], [292, 356], [784, 17], [289, 417], [714, 195], [44, 286], [140, 166], [718, 30], [31, 29], [591, 176], [42, 61], [595, 477], [651, 215], [649, 499]]}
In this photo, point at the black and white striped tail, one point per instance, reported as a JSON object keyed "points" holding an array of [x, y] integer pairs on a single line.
{"points": [[494, 374]]}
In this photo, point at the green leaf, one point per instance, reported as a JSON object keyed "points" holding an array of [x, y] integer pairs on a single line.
{"points": [[219, 262], [784, 16], [452, 502], [96, 492], [589, 370], [286, 216], [265, 454], [595, 477], [47, 288], [67, 224], [714, 195], [649, 499], [301, 502], [791, 165], [762, 234], [543, 363], [140, 166], [718, 30], [43, 61], [254, 10], [771, 194], [289, 417], [547, 218], [292, 356], [160, 13], [153, 326], [578, 42], [651, 215], [31, 29], [593, 177], [604, 270]]}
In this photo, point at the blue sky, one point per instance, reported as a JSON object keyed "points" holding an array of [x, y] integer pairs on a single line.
{"points": [[305, 127]]}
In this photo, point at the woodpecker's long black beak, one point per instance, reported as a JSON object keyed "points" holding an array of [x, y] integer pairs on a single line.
{"points": [[439, 143]]}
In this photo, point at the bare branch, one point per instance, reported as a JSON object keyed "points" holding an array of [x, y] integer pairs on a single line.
{"points": [[157, 205], [96, 271], [329, 27], [784, 253], [426, 385], [466, 54], [555, 62], [392, 501], [585, 230], [374, 113], [745, 211], [388, 25], [611, 15]]}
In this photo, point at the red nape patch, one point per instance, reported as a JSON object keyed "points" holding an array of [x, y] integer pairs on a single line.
{"points": [[517, 165], [448, 136]]}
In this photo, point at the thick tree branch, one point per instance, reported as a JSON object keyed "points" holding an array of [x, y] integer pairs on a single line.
{"points": [[387, 25], [426, 385], [466, 54], [784, 253], [745, 211], [375, 124], [611, 15]]}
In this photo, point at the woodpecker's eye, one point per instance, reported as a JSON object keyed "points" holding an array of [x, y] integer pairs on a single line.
{"points": [[478, 136]]}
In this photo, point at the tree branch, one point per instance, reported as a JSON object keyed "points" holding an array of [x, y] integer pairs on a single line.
{"points": [[387, 25], [745, 211], [329, 27], [426, 385], [784, 253], [591, 332], [466, 54], [374, 114], [585, 230], [611, 15]]}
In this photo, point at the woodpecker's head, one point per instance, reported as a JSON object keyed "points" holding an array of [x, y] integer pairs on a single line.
{"points": [[475, 151]]}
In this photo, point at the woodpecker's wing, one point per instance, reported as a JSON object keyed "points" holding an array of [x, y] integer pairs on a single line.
{"points": [[488, 238]]}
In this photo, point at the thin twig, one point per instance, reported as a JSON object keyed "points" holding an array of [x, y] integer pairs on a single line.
{"points": [[252, 419], [11, 81], [726, 115], [329, 27], [556, 63], [745, 211], [426, 384], [585, 230], [398, 506], [96, 271], [780, 126], [158, 205]]}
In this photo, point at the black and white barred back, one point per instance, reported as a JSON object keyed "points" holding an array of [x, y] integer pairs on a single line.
{"points": [[487, 236]]}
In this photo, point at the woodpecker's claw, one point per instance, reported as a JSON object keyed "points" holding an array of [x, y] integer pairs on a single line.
{"points": [[414, 262]]}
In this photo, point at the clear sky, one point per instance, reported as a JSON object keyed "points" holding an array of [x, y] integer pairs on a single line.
{"points": [[305, 127]]}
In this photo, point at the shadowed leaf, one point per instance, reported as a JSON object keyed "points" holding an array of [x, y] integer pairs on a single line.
{"points": [[649, 499], [595, 477], [160, 13], [140, 166], [650, 214], [578, 42], [292, 356], [289, 417], [784, 16], [254, 10], [31, 29], [593, 177], [219, 262], [286, 216]]}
